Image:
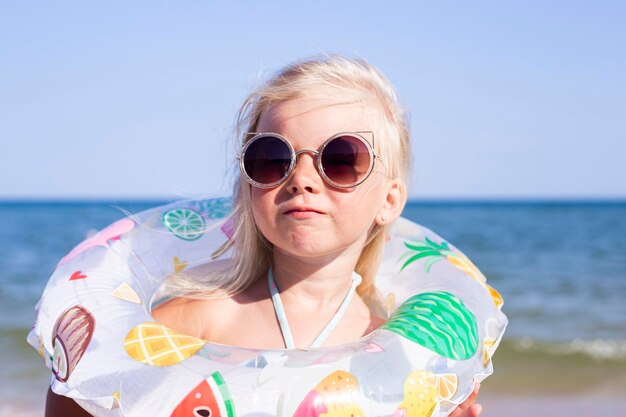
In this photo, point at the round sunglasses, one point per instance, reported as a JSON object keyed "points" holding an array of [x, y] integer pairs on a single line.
{"points": [[344, 160]]}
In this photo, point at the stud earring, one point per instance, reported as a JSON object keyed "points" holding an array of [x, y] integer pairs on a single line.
{"points": [[383, 218]]}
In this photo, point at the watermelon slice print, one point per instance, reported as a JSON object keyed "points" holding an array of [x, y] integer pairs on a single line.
{"points": [[438, 321], [210, 398]]}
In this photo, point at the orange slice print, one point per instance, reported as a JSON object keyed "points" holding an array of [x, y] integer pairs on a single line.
{"points": [[445, 384]]}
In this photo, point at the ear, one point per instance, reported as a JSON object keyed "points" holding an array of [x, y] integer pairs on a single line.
{"points": [[395, 199]]}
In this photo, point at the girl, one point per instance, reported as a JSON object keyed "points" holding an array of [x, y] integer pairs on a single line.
{"points": [[324, 160]]}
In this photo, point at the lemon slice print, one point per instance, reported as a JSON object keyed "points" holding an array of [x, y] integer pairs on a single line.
{"points": [[445, 384], [184, 223]]}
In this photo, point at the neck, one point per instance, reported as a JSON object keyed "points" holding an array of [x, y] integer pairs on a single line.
{"points": [[326, 330], [312, 282]]}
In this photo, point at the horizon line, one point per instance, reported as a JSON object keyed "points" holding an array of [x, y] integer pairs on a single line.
{"points": [[410, 200]]}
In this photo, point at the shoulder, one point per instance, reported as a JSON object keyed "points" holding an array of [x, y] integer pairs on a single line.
{"points": [[241, 319], [209, 318], [190, 315]]}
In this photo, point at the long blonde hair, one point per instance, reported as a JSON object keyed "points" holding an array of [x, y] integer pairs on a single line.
{"points": [[352, 78]]}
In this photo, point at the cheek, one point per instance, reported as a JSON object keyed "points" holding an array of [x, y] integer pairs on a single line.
{"points": [[365, 203], [262, 212]]}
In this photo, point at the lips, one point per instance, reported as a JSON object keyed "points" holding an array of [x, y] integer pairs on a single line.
{"points": [[302, 209], [302, 212]]}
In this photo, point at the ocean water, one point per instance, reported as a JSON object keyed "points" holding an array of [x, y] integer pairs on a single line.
{"points": [[560, 266]]}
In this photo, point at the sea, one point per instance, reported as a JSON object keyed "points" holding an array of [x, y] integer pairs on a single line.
{"points": [[559, 265]]}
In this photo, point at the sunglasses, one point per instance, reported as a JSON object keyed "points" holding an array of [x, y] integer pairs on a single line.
{"points": [[344, 160]]}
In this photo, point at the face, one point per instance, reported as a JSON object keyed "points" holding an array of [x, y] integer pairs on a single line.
{"points": [[305, 216]]}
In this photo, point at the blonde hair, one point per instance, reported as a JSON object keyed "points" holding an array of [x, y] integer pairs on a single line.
{"points": [[355, 80]]}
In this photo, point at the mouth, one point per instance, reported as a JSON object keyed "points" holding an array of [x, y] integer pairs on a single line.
{"points": [[303, 212]]}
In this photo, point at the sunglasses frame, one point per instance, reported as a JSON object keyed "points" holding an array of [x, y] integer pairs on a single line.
{"points": [[318, 159]]}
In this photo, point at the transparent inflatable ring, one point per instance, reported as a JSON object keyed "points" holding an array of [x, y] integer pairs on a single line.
{"points": [[95, 331]]}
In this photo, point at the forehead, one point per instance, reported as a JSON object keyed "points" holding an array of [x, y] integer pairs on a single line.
{"points": [[321, 117]]}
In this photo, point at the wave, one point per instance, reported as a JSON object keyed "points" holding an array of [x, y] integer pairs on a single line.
{"points": [[596, 349]]}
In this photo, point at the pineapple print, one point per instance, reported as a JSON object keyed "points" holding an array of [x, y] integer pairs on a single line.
{"points": [[434, 252]]}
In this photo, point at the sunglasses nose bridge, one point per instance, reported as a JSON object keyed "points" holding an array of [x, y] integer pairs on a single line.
{"points": [[314, 156], [314, 160], [313, 151]]}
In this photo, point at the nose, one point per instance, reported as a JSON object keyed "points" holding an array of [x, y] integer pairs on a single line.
{"points": [[305, 177]]}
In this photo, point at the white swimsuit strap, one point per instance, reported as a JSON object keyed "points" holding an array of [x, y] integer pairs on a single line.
{"points": [[323, 335]]}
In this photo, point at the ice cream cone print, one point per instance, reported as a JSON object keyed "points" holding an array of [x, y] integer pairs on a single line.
{"points": [[334, 396], [72, 334]]}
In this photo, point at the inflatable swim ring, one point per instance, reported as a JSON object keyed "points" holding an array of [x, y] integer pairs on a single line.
{"points": [[95, 332]]}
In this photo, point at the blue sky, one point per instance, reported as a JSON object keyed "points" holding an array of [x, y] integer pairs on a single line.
{"points": [[137, 99]]}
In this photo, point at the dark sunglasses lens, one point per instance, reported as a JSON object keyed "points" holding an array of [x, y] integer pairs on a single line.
{"points": [[346, 160], [267, 159]]}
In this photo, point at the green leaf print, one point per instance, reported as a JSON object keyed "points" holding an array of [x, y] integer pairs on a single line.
{"points": [[425, 249]]}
